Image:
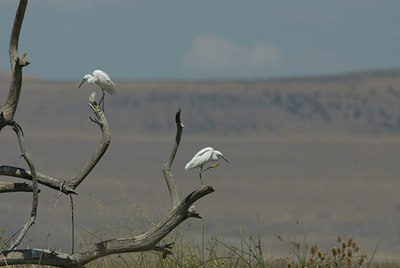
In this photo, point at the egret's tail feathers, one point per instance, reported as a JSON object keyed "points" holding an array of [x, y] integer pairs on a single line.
{"points": [[111, 91], [188, 166]]}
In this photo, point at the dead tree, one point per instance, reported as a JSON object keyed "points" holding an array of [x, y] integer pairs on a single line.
{"points": [[148, 241]]}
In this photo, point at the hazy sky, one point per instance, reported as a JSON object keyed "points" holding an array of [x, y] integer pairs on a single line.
{"points": [[204, 39]]}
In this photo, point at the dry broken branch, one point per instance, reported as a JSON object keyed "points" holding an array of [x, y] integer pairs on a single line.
{"points": [[35, 188], [173, 190], [68, 187], [10, 107], [43, 179], [10, 187], [145, 242], [8, 110], [101, 149]]}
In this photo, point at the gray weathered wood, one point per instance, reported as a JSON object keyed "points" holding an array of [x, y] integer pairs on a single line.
{"points": [[144, 242], [8, 110], [43, 179], [101, 149], [173, 190], [35, 188], [10, 187]]}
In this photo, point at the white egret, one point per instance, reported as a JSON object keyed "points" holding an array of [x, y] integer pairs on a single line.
{"points": [[202, 157], [101, 79]]}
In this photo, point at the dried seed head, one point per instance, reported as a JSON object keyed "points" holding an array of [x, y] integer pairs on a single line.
{"points": [[349, 241], [349, 261], [349, 252], [344, 245], [279, 237], [361, 259], [320, 255], [339, 239], [354, 244], [334, 251], [313, 249], [356, 249]]}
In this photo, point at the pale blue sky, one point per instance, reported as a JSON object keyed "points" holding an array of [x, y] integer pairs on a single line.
{"points": [[207, 39]]}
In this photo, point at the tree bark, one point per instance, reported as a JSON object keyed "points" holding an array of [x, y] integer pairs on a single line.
{"points": [[43, 179], [9, 187]]}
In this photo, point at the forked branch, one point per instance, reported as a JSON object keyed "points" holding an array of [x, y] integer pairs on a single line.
{"points": [[144, 242], [101, 149], [68, 186]]}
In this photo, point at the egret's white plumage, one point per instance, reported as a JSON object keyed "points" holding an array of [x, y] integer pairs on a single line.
{"points": [[101, 79], [202, 157]]}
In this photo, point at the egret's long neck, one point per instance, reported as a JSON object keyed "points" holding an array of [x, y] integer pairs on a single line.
{"points": [[91, 79]]}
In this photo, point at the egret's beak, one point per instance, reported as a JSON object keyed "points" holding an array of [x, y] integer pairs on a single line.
{"points": [[81, 83], [225, 159]]}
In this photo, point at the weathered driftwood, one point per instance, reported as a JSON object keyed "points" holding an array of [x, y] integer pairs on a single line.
{"points": [[144, 242], [181, 210]]}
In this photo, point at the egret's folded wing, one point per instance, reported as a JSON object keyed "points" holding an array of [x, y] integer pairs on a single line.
{"points": [[200, 158]]}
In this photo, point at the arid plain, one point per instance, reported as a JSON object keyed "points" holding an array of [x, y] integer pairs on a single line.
{"points": [[321, 150]]}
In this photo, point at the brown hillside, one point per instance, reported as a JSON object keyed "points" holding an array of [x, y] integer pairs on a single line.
{"points": [[365, 103]]}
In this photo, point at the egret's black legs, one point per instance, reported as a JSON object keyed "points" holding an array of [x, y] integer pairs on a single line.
{"points": [[102, 99], [201, 179]]}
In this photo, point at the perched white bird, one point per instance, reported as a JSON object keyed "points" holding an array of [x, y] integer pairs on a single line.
{"points": [[101, 79], [202, 157]]}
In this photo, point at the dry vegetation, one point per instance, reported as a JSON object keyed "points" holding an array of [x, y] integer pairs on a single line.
{"points": [[354, 105]]}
